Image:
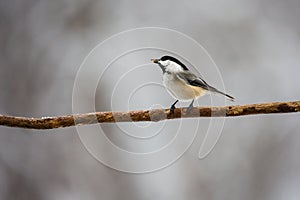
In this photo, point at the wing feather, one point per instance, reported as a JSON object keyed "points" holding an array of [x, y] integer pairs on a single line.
{"points": [[193, 80]]}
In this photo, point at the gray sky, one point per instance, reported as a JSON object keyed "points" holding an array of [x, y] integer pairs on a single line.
{"points": [[255, 45]]}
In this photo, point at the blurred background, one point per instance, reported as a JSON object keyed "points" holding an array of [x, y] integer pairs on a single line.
{"points": [[256, 46]]}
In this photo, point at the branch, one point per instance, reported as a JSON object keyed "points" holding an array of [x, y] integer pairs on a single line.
{"points": [[148, 115]]}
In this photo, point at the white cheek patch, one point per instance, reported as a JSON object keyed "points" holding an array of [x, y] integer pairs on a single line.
{"points": [[173, 67], [164, 63]]}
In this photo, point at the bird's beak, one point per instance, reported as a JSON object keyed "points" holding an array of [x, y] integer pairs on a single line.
{"points": [[154, 60]]}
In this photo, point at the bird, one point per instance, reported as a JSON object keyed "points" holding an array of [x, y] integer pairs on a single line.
{"points": [[182, 84]]}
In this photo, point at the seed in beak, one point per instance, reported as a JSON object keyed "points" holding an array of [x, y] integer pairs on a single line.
{"points": [[154, 60]]}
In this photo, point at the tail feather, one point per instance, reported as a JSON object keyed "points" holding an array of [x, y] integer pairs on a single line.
{"points": [[212, 89]]}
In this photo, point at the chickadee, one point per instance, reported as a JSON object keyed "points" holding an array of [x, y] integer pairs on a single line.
{"points": [[181, 83]]}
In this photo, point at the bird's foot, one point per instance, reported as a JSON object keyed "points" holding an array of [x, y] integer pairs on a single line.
{"points": [[189, 109], [172, 109]]}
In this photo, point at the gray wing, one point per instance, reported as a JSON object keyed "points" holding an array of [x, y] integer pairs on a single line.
{"points": [[193, 80]]}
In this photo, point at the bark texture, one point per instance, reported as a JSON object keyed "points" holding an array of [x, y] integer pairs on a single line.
{"points": [[148, 115]]}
